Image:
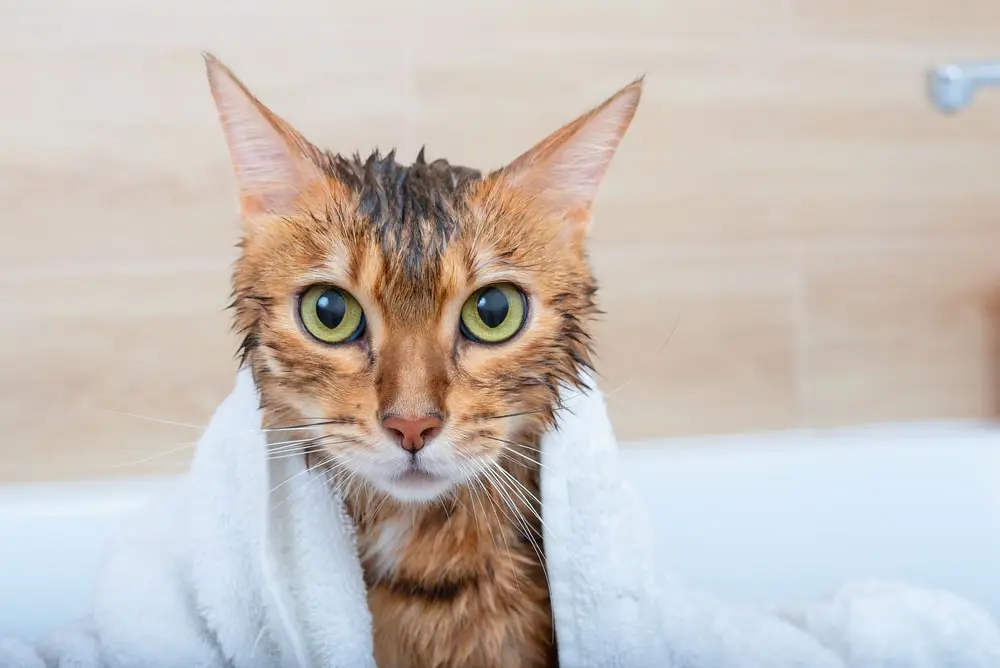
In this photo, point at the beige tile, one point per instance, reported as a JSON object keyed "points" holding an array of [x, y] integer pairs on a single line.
{"points": [[902, 335], [110, 142], [817, 232], [789, 142], [968, 20], [81, 353], [696, 343], [573, 28]]}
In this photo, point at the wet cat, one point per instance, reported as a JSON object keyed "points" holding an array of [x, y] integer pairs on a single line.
{"points": [[409, 328]]}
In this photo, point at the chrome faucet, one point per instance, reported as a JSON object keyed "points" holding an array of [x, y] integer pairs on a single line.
{"points": [[951, 87]]}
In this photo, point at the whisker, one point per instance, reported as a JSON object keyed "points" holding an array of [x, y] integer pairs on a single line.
{"points": [[333, 465], [497, 509], [559, 407], [517, 490], [529, 531], [149, 418], [325, 479], [353, 478], [281, 484], [444, 506], [282, 445], [342, 420], [475, 479], [309, 480], [158, 455], [297, 445], [520, 445], [298, 453], [501, 489], [670, 336], [341, 477], [381, 504], [532, 460], [292, 446], [307, 425], [511, 451], [331, 487]]}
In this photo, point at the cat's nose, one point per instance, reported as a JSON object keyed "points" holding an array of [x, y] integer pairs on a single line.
{"points": [[413, 433]]}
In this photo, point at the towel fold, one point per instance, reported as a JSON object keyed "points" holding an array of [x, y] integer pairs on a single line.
{"points": [[250, 562]]}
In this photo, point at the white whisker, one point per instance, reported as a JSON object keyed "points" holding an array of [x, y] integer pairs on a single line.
{"points": [[281, 484], [519, 489], [476, 479], [149, 418], [158, 455], [297, 453], [521, 521]]}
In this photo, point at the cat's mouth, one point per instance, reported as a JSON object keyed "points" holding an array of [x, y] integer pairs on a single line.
{"points": [[415, 483], [416, 476]]}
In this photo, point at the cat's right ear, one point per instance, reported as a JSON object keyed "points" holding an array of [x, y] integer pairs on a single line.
{"points": [[273, 162]]}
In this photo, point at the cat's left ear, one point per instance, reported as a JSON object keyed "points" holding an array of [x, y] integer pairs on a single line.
{"points": [[564, 170], [274, 164]]}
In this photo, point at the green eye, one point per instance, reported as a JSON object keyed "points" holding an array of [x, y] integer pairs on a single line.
{"points": [[331, 314], [493, 314]]}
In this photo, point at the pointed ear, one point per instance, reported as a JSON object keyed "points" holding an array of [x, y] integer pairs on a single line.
{"points": [[274, 164], [565, 169]]}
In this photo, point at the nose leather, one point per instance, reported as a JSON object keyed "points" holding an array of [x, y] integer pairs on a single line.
{"points": [[413, 433]]}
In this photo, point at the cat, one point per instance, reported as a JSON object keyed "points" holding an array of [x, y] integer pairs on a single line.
{"points": [[409, 329]]}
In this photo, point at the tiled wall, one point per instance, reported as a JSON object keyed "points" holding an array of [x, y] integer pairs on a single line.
{"points": [[789, 235]]}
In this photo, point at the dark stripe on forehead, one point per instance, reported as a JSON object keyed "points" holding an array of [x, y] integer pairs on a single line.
{"points": [[415, 209]]}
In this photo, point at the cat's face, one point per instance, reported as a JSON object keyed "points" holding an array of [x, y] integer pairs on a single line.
{"points": [[420, 319]]}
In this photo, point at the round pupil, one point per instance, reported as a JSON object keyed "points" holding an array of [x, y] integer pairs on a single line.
{"points": [[492, 307], [331, 309]]}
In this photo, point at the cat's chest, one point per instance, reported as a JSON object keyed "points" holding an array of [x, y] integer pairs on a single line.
{"points": [[467, 592]]}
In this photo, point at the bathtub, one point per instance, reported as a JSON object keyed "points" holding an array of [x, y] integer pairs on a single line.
{"points": [[760, 517]]}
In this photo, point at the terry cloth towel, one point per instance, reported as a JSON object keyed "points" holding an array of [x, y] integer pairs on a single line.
{"points": [[250, 562]]}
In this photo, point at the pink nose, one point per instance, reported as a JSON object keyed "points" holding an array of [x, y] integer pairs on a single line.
{"points": [[413, 433]]}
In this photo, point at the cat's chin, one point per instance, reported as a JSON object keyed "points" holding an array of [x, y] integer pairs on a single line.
{"points": [[415, 486]]}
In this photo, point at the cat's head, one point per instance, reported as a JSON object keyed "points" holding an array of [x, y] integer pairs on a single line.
{"points": [[420, 318]]}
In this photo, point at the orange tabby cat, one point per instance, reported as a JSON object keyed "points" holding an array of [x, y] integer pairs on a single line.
{"points": [[409, 328]]}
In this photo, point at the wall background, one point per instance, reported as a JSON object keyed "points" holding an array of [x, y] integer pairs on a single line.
{"points": [[789, 236]]}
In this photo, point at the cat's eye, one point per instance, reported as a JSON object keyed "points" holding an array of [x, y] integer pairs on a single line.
{"points": [[331, 315], [493, 314]]}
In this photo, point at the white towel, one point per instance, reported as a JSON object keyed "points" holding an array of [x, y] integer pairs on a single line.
{"points": [[250, 562], [247, 562]]}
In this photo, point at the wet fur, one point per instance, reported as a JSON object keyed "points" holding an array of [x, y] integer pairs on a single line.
{"points": [[458, 581], [468, 586]]}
